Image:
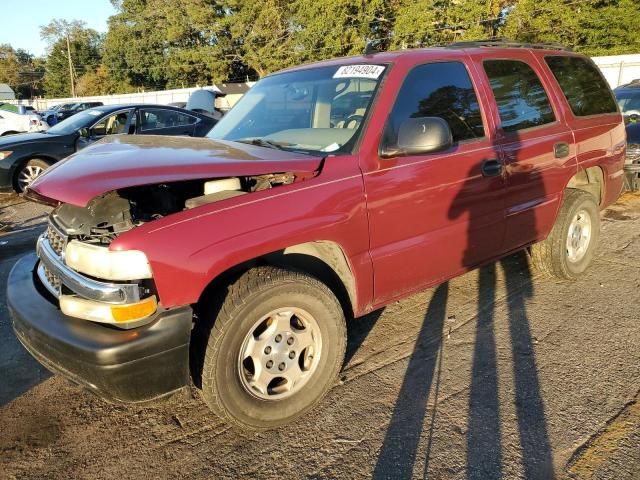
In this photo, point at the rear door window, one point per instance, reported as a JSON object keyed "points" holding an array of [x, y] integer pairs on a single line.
{"points": [[439, 90], [583, 85], [522, 100], [159, 118]]}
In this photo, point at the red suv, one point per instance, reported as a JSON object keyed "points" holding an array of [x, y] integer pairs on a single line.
{"points": [[327, 192]]}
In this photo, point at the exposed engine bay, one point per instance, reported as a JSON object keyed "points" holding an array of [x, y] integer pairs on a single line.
{"points": [[109, 215]]}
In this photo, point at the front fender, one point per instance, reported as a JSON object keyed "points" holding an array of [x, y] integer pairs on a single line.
{"points": [[189, 249]]}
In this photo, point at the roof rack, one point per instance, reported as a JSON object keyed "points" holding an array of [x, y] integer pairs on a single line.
{"points": [[506, 43]]}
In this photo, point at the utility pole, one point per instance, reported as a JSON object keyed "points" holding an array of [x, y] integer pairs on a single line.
{"points": [[73, 87]]}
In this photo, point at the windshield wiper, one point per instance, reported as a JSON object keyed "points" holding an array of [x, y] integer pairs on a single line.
{"points": [[265, 143]]}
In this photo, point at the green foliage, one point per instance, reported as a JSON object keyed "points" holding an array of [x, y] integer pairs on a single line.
{"points": [[84, 46], [20, 71], [101, 82], [594, 27], [158, 44]]}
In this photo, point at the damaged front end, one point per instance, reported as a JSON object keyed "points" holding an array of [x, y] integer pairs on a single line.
{"points": [[95, 283]]}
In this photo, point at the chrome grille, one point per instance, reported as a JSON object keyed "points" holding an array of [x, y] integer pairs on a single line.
{"points": [[54, 283], [57, 239], [633, 153]]}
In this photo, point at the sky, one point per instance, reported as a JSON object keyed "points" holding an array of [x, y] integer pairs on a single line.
{"points": [[21, 19]]}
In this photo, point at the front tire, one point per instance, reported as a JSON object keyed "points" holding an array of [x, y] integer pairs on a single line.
{"points": [[28, 172], [569, 249], [275, 349]]}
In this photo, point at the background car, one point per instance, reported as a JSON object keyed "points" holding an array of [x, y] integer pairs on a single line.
{"points": [[13, 122], [19, 109], [205, 101], [66, 112], [628, 98], [24, 157], [50, 115], [632, 161]]}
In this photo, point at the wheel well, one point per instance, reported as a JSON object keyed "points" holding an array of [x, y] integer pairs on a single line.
{"points": [[325, 260], [591, 180]]}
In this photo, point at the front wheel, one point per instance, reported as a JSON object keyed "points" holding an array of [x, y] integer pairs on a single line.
{"points": [[28, 172], [275, 349], [570, 247]]}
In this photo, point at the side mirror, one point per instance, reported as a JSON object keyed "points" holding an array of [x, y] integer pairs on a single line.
{"points": [[419, 136], [84, 132]]}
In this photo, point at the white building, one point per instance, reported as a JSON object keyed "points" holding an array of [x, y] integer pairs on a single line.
{"points": [[6, 93], [619, 69]]}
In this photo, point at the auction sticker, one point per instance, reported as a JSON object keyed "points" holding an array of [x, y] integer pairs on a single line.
{"points": [[359, 71]]}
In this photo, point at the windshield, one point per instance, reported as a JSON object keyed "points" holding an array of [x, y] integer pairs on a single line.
{"points": [[75, 122], [315, 110]]}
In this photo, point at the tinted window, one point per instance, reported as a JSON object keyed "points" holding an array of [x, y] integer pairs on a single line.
{"points": [[584, 87], [439, 90], [522, 101], [153, 118]]}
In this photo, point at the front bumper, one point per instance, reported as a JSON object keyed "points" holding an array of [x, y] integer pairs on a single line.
{"points": [[135, 365]]}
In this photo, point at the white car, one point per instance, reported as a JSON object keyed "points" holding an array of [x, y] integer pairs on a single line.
{"points": [[11, 122]]}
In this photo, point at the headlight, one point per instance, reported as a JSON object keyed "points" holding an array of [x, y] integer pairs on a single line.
{"points": [[100, 262], [4, 155], [124, 316]]}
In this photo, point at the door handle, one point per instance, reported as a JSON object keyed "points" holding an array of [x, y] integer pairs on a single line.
{"points": [[491, 168], [561, 149]]}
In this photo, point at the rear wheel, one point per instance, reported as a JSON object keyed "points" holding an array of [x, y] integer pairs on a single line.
{"points": [[275, 349], [569, 248], [28, 172]]}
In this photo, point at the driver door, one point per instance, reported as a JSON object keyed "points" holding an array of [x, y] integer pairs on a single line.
{"points": [[435, 215], [116, 123]]}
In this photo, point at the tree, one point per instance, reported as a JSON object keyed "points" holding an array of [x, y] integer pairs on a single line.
{"points": [[101, 82], [69, 39], [594, 27], [158, 44], [339, 27], [21, 71]]}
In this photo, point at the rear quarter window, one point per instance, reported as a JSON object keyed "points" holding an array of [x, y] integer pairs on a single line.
{"points": [[583, 85]]}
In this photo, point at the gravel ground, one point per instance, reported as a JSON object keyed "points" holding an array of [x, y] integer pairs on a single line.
{"points": [[496, 374]]}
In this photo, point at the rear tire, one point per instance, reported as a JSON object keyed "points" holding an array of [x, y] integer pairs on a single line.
{"points": [[569, 249], [28, 172], [275, 349]]}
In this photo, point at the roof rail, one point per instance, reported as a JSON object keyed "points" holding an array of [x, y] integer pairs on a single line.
{"points": [[506, 43]]}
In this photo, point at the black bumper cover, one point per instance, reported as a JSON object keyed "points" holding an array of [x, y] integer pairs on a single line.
{"points": [[134, 365]]}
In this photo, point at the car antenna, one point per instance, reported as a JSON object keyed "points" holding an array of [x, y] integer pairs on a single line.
{"points": [[370, 47]]}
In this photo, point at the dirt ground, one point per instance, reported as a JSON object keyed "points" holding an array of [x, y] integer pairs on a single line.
{"points": [[496, 374]]}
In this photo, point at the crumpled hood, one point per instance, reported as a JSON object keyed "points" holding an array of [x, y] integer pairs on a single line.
{"points": [[126, 161]]}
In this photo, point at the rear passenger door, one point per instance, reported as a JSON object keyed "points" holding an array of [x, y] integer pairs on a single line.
{"points": [[161, 121], [597, 125], [536, 145], [434, 215]]}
